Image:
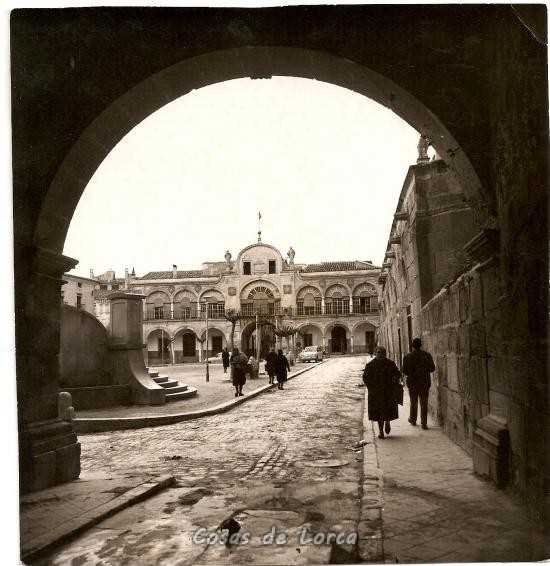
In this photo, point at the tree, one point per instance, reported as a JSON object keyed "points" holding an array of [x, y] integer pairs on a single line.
{"points": [[233, 316], [287, 332]]}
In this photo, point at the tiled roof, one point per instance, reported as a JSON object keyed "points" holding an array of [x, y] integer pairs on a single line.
{"points": [[339, 266], [169, 274]]}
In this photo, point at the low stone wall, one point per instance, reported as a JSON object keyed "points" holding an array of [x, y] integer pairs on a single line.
{"points": [[84, 353], [100, 397]]}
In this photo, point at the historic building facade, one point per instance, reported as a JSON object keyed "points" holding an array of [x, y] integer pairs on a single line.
{"points": [[333, 305], [78, 292]]}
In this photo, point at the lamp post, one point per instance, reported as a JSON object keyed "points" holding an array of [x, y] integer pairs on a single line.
{"points": [[257, 341], [207, 366]]}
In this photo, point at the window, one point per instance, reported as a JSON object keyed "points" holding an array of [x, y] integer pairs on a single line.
{"points": [[159, 312], [79, 284], [79, 301], [272, 266], [246, 268]]}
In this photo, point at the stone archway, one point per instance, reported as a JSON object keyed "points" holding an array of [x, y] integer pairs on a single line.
{"points": [[185, 346], [145, 98], [58, 146], [159, 347], [338, 341]]}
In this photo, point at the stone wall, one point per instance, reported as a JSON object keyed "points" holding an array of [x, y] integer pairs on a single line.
{"points": [[84, 353], [477, 371], [85, 362]]}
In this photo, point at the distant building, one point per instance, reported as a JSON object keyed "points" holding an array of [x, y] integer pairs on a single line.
{"points": [[78, 292], [334, 305]]}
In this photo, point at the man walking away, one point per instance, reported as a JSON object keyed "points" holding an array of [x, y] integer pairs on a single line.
{"points": [[239, 365], [271, 364], [225, 359], [417, 366]]}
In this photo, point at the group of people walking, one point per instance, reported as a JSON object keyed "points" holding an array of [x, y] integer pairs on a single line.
{"points": [[276, 366], [385, 389]]}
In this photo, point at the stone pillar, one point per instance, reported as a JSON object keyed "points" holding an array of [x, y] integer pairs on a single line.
{"points": [[48, 449], [171, 308], [322, 305], [351, 305], [126, 344], [351, 343]]}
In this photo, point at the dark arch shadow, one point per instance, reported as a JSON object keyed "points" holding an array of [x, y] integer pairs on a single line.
{"points": [[129, 110]]}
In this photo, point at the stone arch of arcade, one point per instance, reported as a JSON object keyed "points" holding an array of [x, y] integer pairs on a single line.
{"points": [[337, 338], [159, 346], [259, 296], [442, 92], [363, 335], [248, 338], [185, 345], [310, 335]]}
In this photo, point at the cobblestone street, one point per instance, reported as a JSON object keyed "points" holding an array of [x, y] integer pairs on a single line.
{"points": [[285, 460], [281, 459]]}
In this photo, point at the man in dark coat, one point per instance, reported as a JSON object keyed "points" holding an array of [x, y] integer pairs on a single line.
{"points": [[417, 366], [271, 364], [225, 360], [382, 377], [239, 365], [282, 367]]}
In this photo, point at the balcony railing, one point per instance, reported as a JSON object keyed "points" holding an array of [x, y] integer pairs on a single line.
{"points": [[291, 312], [193, 315]]}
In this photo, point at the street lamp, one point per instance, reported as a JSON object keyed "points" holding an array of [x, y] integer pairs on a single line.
{"points": [[207, 367]]}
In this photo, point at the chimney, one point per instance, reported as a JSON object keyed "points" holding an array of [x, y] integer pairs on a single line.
{"points": [[175, 271], [91, 273]]}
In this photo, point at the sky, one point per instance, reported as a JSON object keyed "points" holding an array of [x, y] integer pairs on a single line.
{"points": [[323, 164]]}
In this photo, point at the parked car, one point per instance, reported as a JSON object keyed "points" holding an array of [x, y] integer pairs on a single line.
{"points": [[311, 354]]}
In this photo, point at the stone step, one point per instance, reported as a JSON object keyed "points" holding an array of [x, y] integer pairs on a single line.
{"points": [[178, 388], [153, 373], [160, 379], [189, 392], [168, 384]]}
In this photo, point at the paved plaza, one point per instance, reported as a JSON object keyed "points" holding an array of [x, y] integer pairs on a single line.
{"points": [[209, 394], [283, 466]]}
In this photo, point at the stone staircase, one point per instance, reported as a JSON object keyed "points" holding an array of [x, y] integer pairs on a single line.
{"points": [[175, 391]]}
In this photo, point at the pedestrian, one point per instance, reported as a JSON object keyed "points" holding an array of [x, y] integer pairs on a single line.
{"points": [[271, 364], [239, 366], [225, 359], [382, 378], [417, 366], [282, 367]]}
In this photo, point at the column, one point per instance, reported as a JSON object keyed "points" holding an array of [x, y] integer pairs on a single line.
{"points": [[351, 343], [49, 452], [323, 306], [171, 308], [351, 305]]}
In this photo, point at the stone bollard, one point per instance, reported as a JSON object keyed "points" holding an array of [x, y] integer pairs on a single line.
{"points": [[65, 409]]}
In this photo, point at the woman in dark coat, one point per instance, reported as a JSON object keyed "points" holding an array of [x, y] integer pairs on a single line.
{"points": [[382, 377], [225, 360], [281, 368]]}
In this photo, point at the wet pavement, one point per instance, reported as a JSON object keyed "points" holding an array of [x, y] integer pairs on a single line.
{"points": [[283, 467], [280, 465]]}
